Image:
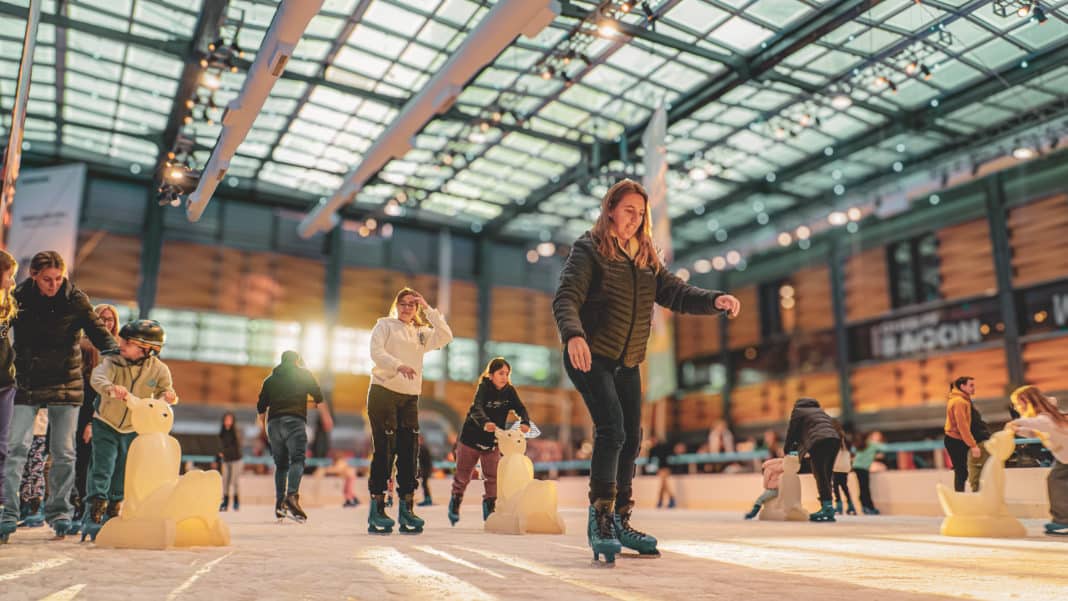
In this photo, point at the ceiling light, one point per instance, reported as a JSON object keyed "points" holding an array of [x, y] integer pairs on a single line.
{"points": [[785, 239], [733, 257], [702, 266], [911, 68], [546, 249], [649, 14], [1040, 15], [210, 81], [841, 101], [698, 174], [684, 274], [837, 218], [532, 256], [925, 71], [803, 232], [1023, 153], [854, 214], [719, 263], [805, 120], [1024, 10], [608, 28]]}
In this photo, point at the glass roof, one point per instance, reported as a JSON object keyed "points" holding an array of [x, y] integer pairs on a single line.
{"points": [[787, 126]]}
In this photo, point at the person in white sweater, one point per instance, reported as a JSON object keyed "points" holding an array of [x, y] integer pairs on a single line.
{"points": [[398, 343], [1039, 416]]}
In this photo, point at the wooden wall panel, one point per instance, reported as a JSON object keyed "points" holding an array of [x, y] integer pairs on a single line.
{"points": [[188, 276], [698, 411], [966, 260], [812, 291], [303, 283], [774, 399], [366, 295], [744, 330], [867, 286], [696, 336], [522, 315], [926, 381], [1038, 240], [350, 392], [107, 266], [1045, 365]]}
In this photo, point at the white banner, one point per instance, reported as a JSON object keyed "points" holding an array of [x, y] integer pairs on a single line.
{"points": [[660, 370], [45, 214]]}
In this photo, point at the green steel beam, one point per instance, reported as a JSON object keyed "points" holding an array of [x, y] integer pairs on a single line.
{"points": [[1001, 251]]}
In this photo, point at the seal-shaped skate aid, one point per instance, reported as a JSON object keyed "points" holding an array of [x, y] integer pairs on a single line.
{"points": [[787, 506], [983, 513], [161, 509], [523, 503]]}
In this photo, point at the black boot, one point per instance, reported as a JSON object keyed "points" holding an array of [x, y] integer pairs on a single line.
{"points": [[293, 508], [114, 507], [237, 503], [279, 510], [225, 503], [488, 506], [454, 508]]}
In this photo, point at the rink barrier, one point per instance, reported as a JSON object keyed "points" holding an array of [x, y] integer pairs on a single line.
{"points": [[584, 464]]}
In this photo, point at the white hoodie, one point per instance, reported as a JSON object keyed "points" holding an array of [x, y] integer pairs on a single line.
{"points": [[395, 343], [1056, 435]]}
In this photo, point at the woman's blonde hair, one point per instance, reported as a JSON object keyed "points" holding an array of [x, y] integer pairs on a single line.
{"points": [[1033, 397], [8, 307], [420, 319], [606, 243]]}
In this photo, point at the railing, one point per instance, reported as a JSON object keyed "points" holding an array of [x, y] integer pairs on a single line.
{"points": [[584, 464]]}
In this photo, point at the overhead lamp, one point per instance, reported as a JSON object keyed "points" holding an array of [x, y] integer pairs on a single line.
{"points": [[881, 81], [803, 232], [785, 239], [548, 72], [627, 5], [854, 214], [925, 71], [608, 28], [175, 174], [805, 120], [698, 174], [702, 266], [733, 257], [684, 274], [841, 101], [780, 133], [570, 54], [1023, 153], [837, 218], [532, 256], [893, 86], [211, 81], [911, 68], [1025, 10], [546, 249], [719, 263], [1039, 15]]}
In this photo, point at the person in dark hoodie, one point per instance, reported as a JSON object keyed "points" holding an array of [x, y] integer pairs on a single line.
{"points": [[495, 397], [283, 411], [812, 431], [604, 309], [52, 315]]}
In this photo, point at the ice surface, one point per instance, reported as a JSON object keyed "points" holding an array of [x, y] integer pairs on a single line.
{"points": [[707, 555]]}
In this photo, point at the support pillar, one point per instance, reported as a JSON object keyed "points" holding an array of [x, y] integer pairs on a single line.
{"points": [[841, 337], [1002, 256]]}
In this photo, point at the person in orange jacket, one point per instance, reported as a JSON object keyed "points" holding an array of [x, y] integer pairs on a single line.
{"points": [[965, 432]]}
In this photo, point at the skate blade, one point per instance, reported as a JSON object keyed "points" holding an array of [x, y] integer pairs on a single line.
{"points": [[382, 532], [602, 565], [639, 555], [404, 530]]}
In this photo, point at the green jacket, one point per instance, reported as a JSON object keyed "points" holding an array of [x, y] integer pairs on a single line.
{"points": [[610, 302], [149, 379]]}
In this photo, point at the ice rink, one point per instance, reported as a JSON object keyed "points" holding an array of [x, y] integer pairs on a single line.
{"points": [[706, 555]]}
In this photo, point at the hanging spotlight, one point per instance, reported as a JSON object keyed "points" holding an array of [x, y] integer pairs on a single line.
{"points": [[210, 81], [1025, 10], [1023, 153], [697, 174], [837, 218], [608, 28], [548, 72], [911, 68], [925, 71], [893, 86], [785, 239], [881, 81], [649, 14], [841, 101], [627, 5], [1039, 15], [805, 120], [854, 214]]}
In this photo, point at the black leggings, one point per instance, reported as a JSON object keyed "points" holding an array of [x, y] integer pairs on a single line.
{"points": [[864, 482], [841, 485], [823, 453], [394, 421], [958, 454]]}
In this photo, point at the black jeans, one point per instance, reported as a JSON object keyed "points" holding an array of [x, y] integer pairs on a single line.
{"points": [[823, 453], [394, 421], [613, 395], [841, 485], [958, 454]]}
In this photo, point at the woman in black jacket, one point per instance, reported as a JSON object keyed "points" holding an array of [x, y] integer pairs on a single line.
{"points": [[494, 399], [603, 309], [812, 431], [48, 365], [231, 456]]}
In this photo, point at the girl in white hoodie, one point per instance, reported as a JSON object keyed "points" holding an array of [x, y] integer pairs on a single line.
{"points": [[1039, 415], [398, 343]]}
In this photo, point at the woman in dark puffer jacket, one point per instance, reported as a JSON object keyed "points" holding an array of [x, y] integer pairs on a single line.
{"points": [[604, 310], [48, 371]]}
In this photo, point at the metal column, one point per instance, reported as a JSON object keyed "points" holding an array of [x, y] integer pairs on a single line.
{"points": [[999, 238], [841, 338], [484, 269], [444, 294]]}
